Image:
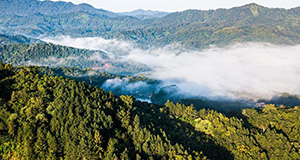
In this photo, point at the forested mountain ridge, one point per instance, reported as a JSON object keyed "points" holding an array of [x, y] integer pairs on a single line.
{"points": [[251, 22], [74, 24], [22, 54], [61, 118], [53, 117], [9, 39], [47, 54], [31, 7], [192, 28]]}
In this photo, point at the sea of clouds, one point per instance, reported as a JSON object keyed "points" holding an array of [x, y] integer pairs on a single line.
{"points": [[243, 70]]}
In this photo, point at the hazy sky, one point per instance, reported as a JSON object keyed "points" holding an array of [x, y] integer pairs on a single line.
{"points": [[179, 5]]}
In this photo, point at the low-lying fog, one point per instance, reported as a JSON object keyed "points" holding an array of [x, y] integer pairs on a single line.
{"points": [[245, 70]]}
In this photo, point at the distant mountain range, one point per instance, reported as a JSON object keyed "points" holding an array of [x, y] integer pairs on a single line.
{"points": [[191, 28], [31, 7], [145, 14]]}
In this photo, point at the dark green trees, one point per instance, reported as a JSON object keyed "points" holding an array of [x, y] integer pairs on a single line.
{"points": [[53, 117], [44, 117]]}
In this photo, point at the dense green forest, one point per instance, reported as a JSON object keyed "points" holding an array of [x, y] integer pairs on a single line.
{"points": [[191, 28], [50, 117]]}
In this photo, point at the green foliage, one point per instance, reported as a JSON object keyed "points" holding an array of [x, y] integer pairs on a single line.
{"points": [[267, 133], [47, 117], [54, 117], [204, 126]]}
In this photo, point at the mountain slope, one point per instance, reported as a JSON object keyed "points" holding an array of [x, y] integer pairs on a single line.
{"points": [[31, 7]]}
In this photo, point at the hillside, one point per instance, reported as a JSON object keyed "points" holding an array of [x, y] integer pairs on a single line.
{"points": [[46, 117]]}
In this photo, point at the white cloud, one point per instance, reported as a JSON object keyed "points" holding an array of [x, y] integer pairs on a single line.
{"points": [[242, 70], [93, 43]]}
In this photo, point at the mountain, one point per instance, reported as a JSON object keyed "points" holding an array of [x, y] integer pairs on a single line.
{"points": [[9, 39], [221, 27], [82, 123], [145, 14], [31, 7], [249, 23], [74, 24], [191, 28], [48, 117]]}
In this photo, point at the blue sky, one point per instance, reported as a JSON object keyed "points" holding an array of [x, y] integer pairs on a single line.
{"points": [[179, 5]]}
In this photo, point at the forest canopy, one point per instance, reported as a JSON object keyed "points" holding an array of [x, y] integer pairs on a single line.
{"points": [[48, 117]]}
